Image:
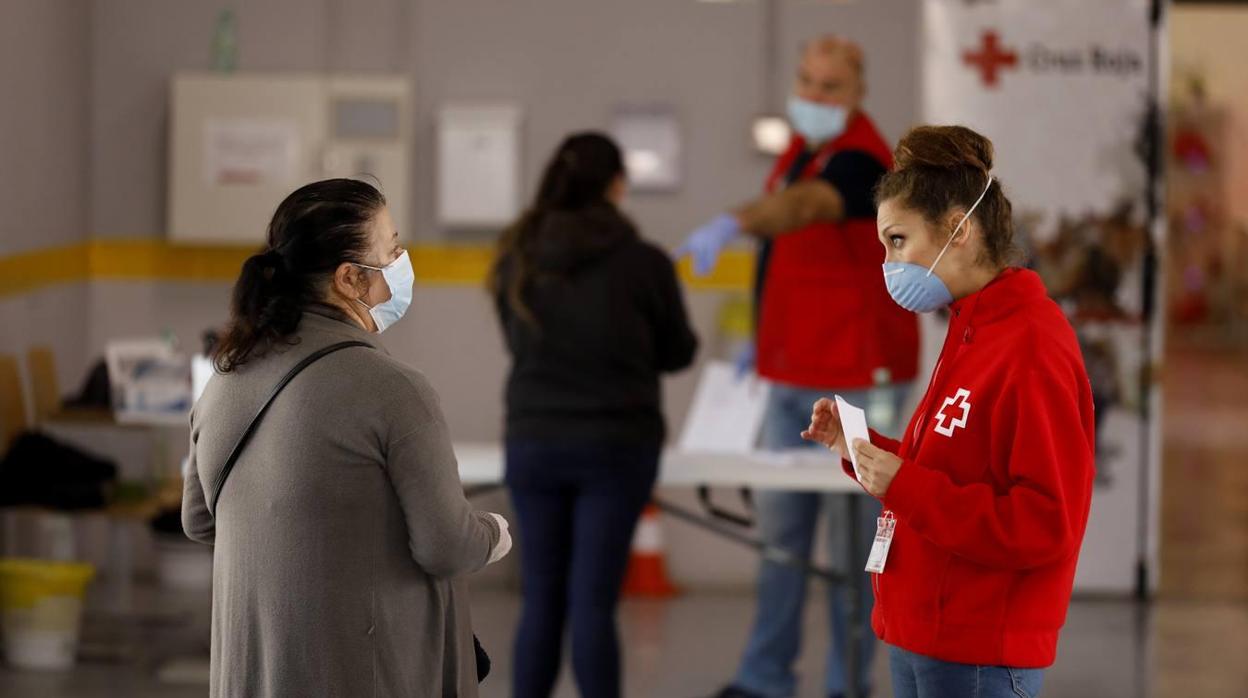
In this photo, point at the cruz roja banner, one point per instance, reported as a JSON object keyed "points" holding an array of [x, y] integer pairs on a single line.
{"points": [[1066, 90]]}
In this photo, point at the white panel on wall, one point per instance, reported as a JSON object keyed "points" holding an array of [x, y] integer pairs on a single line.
{"points": [[478, 165], [650, 139], [241, 143], [369, 135]]}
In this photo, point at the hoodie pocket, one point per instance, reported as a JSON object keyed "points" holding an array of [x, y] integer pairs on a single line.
{"points": [[973, 596]]}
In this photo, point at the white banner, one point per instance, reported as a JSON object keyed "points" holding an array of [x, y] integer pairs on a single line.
{"points": [[1062, 89]]}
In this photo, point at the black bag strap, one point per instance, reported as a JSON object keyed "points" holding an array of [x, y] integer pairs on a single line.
{"points": [[251, 428]]}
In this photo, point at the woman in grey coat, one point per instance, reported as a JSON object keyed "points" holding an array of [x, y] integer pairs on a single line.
{"points": [[342, 535]]}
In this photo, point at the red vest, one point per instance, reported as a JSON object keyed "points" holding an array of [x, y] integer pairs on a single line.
{"points": [[825, 318]]}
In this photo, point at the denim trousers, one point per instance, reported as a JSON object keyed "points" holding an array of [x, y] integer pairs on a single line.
{"points": [[788, 520]]}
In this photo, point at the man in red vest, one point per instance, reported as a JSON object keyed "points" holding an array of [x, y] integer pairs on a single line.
{"points": [[825, 324]]}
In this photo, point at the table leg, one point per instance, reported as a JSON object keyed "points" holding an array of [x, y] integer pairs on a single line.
{"points": [[853, 574]]}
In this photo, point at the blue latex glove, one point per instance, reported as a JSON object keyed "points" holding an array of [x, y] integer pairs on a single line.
{"points": [[745, 360], [705, 243]]}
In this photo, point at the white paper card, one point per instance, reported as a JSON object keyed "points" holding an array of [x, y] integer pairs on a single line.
{"points": [[727, 411], [854, 426]]}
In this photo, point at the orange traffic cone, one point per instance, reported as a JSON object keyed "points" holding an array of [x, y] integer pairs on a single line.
{"points": [[647, 568]]}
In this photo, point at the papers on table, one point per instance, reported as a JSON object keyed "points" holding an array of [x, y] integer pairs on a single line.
{"points": [[727, 411]]}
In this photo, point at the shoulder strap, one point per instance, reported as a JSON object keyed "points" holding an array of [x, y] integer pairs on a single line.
{"points": [[242, 440]]}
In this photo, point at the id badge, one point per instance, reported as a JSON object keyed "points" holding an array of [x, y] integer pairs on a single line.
{"points": [[884, 527]]}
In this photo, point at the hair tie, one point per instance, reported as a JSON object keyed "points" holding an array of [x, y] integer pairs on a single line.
{"points": [[274, 258], [271, 262]]}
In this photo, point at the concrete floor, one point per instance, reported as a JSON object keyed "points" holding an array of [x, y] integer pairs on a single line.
{"points": [[687, 647], [1191, 641]]}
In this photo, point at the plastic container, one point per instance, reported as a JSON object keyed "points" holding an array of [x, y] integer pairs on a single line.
{"points": [[41, 611]]}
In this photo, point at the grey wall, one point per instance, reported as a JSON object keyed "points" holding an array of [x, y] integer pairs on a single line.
{"points": [[568, 62], [44, 50], [51, 317]]}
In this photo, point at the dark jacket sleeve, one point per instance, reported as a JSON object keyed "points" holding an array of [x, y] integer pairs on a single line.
{"points": [[854, 174], [675, 343]]}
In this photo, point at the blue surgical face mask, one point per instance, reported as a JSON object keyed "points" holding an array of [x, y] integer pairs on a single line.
{"points": [[917, 288], [400, 278], [817, 122]]}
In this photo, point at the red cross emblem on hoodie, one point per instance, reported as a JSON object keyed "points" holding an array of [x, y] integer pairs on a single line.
{"points": [[948, 419]]}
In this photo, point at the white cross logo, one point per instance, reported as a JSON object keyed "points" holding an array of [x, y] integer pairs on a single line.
{"points": [[959, 398]]}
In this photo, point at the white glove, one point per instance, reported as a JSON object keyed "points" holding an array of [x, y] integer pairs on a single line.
{"points": [[503, 546]]}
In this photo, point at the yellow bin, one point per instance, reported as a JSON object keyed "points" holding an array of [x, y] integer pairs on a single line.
{"points": [[41, 611]]}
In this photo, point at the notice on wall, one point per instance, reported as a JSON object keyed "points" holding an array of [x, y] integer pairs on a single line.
{"points": [[250, 151]]}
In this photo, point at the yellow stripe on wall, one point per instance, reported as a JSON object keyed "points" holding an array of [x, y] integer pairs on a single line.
{"points": [[157, 260], [28, 271]]}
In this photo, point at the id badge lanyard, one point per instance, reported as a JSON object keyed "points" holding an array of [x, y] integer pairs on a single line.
{"points": [[885, 525]]}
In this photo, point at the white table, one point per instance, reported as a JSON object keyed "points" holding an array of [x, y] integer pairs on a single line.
{"points": [[481, 466], [809, 470]]}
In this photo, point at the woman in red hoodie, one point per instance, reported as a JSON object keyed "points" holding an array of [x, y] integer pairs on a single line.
{"points": [[986, 498]]}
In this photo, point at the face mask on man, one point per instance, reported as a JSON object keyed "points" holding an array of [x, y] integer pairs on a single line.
{"points": [[815, 121], [917, 288], [400, 278]]}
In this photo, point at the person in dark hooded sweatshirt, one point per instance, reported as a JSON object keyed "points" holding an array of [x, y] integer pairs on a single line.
{"points": [[592, 315]]}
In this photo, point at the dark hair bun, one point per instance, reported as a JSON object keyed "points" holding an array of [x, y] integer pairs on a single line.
{"points": [[944, 147]]}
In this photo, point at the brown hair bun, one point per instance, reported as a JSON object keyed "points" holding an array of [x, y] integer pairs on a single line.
{"points": [[938, 168], [944, 147]]}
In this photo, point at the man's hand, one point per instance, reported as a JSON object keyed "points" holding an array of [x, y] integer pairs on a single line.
{"points": [[705, 243]]}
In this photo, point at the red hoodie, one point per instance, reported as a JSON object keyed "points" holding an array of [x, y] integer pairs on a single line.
{"points": [[993, 497]]}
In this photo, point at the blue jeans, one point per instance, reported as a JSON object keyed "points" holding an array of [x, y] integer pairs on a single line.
{"points": [[576, 508], [916, 676], [787, 520]]}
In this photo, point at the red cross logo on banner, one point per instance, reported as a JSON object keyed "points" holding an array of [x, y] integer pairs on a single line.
{"points": [[945, 425], [991, 58]]}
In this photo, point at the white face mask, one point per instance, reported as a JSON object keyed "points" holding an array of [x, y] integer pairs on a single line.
{"points": [[400, 278]]}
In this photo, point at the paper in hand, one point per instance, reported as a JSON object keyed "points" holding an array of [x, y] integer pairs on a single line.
{"points": [[853, 426]]}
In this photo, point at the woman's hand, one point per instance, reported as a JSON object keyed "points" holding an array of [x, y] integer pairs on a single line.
{"points": [[876, 467], [503, 546], [825, 426]]}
